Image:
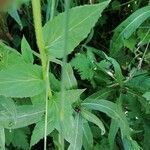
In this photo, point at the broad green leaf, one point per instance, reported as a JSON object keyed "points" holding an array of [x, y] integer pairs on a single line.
{"points": [[76, 139], [67, 120], [26, 51], [2, 139], [26, 115], [39, 100], [127, 28], [22, 80], [38, 132], [39, 129], [9, 56], [94, 119], [79, 28], [87, 136]]}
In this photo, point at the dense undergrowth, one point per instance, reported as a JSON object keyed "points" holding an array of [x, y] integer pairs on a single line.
{"points": [[75, 75]]}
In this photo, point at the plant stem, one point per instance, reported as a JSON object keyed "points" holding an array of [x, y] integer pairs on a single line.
{"points": [[52, 9], [66, 24], [36, 6]]}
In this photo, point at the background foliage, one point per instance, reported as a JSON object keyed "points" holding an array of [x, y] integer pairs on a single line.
{"points": [[107, 76]]}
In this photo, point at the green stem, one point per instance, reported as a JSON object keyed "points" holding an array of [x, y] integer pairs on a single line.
{"points": [[52, 9], [66, 24], [36, 6]]}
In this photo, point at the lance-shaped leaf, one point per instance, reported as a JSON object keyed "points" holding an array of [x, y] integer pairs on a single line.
{"points": [[76, 139], [81, 20], [87, 136], [111, 109], [22, 80], [127, 28], [94, 119], [102, 94], [114, 127]]}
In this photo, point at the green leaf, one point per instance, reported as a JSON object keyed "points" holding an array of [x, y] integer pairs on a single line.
{"points": [[89, 15], [22, 80], [146, 143], [85, 69], [18, 138], [127, 28], [94, 119], [54, 83], [87, 136], [131, 43], [26, 51], [105, 106], [147, 95], [102, 94], [143, 35], [76, 139], [67, 121], [38, 132], [118, 73], [111, 109], [8, 105], [2, 139], [14, 14], [9, 56], [71, 96], [114, 127], [139, 83], [26, 115], [130, 144], [70, 80]]}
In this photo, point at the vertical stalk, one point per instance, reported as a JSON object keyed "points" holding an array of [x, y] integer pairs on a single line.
{"points": [[36, 6], [66, 25], [52, 9]]}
